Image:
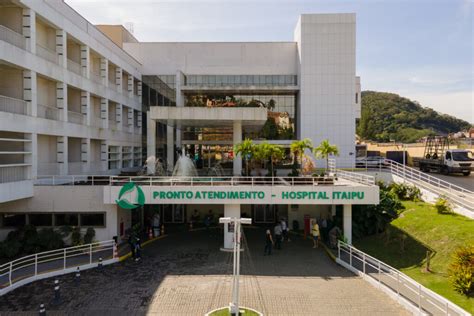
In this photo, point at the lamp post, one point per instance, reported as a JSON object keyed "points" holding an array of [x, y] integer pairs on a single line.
{"points": [[234, 305]]}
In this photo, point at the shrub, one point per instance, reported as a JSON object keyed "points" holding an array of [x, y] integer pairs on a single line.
{"points": [[89, 236], [10, 248], [76, 237], [443, 206], [30, 239], [406, 192], [461, 270], [49, 239]]}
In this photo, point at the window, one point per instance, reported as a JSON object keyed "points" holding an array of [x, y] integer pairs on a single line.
{"points": [[40, 219], [92, 219], [66, 219], [357, 98], [13, 220]]}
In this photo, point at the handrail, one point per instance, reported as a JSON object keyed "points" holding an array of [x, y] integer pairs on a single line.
{"points": [[55, 262], [348, 175], [12, 37], [13, 105], [397, 283], [456, 194]]}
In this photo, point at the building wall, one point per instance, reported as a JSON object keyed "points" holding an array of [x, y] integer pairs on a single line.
{"points": [[327, 77], [270, 58]]}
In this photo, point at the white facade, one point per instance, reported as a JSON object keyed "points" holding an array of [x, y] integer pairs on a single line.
{"points": [[70, 99]]}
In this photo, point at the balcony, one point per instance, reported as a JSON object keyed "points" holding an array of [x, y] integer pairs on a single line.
{"points": [[75, 168], [12, 105], [48, 168], [94, 76], [75, 117], [47, 53], [48, 112], [74, 67], [13, 173], [113, 125], [12, 37], [96, 122]]}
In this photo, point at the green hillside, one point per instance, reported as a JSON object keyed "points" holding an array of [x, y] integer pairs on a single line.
{"points": [[388, 116]]}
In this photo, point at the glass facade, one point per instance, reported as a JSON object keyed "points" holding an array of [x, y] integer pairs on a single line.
{"points": [[240, 80]]}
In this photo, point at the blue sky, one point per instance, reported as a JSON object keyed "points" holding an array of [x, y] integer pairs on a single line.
{"points": [[419, 49]]}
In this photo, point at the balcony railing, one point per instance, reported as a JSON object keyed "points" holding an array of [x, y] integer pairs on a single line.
{"points": [[13, 105], [48, 112], [12, 173], [74, 67], [74, 167], [47, 53], [112, 124], [75, 117], [95, 77], [12, 37], [96, 122]]}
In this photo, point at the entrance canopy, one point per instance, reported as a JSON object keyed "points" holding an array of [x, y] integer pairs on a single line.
{"points": [[237, 190]]}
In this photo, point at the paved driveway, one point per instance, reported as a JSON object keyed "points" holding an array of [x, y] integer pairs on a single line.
{"points": [[186, 274]]}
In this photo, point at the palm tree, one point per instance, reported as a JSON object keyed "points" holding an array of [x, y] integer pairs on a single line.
{"points": [[276, 153], [298, 148], [265, 152], [246, 149], [324, 150]]}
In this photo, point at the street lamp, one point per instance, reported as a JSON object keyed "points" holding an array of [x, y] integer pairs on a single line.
{"points": [[234, 305]]}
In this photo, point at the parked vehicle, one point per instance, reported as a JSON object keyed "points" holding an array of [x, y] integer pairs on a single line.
{"points": [[438, 157]]}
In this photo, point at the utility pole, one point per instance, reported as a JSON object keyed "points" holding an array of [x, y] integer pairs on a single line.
{"points": [[234, 305]]}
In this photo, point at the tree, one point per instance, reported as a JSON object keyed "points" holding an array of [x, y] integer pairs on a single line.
{"points": [[247, 150], [324, 150], [298, 148], [269, 152], [270, 129]]}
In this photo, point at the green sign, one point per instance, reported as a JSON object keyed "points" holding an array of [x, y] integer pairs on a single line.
{"points": [[123, 202]]}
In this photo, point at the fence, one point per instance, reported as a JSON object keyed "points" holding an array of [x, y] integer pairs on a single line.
{"points": [[399, 286], [456, 194], [55, 262], [9, 173], [48, 112], [12, 105], [351, 176], [12, 37]]}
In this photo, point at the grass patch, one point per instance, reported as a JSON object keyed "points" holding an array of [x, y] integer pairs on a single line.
{"points": [[225, 312], [425, 229]]}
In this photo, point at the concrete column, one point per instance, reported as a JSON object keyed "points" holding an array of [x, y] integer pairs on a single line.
{"points": [[86, 106], [61, 100], [130, 118], [169, 147], [29, 29], [30, 91], [104, 71], [104, 112], [237, 138], [118, 78], [139, 89], [118, 116], [150, 142], [180, 81], [347, 220], [85, 61], [61, 47], [230, 210], [33, 158], [62, 154], [130, 86], [86, 154], [104, 155]]}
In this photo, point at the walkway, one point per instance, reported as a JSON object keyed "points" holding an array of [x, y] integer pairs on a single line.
{"points": [[186, 274]]}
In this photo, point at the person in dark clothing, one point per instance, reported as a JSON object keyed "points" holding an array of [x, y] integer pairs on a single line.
{"points": [[138, 249], [131, 243], [268, 243], [278, 236]]}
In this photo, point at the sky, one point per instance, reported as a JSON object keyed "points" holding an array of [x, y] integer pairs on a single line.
{"points": [[420, 49]]}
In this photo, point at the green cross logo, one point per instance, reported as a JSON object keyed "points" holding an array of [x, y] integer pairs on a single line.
{"points": [[123, 202]]}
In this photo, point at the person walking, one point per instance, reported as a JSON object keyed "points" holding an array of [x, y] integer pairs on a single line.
{"points": [[131, 243], [315, 233], [138, 249], [285, 230], [278, 235], [268, 243]]}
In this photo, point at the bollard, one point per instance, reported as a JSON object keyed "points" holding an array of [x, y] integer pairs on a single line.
{"points": [[57, 293], [100, 264], [42, 310], [77, 277]]}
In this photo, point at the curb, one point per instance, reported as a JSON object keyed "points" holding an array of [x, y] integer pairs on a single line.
{"points": [[129, 254]]}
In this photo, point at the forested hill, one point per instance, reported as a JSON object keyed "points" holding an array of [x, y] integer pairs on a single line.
{"points": [[388, 116]]}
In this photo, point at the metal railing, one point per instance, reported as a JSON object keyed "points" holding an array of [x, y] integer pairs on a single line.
{"points": [[49, 168], [348, 175], [74, 67], [456, 194], [47, 53], [398, 285], [55, 262], [48, 112], [74, 167], [13, 173], [12, 37], [75, 117], [12, 105], [94, 76]]}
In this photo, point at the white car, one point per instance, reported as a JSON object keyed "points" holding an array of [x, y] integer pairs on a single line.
{"points": [[370, 162]]}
